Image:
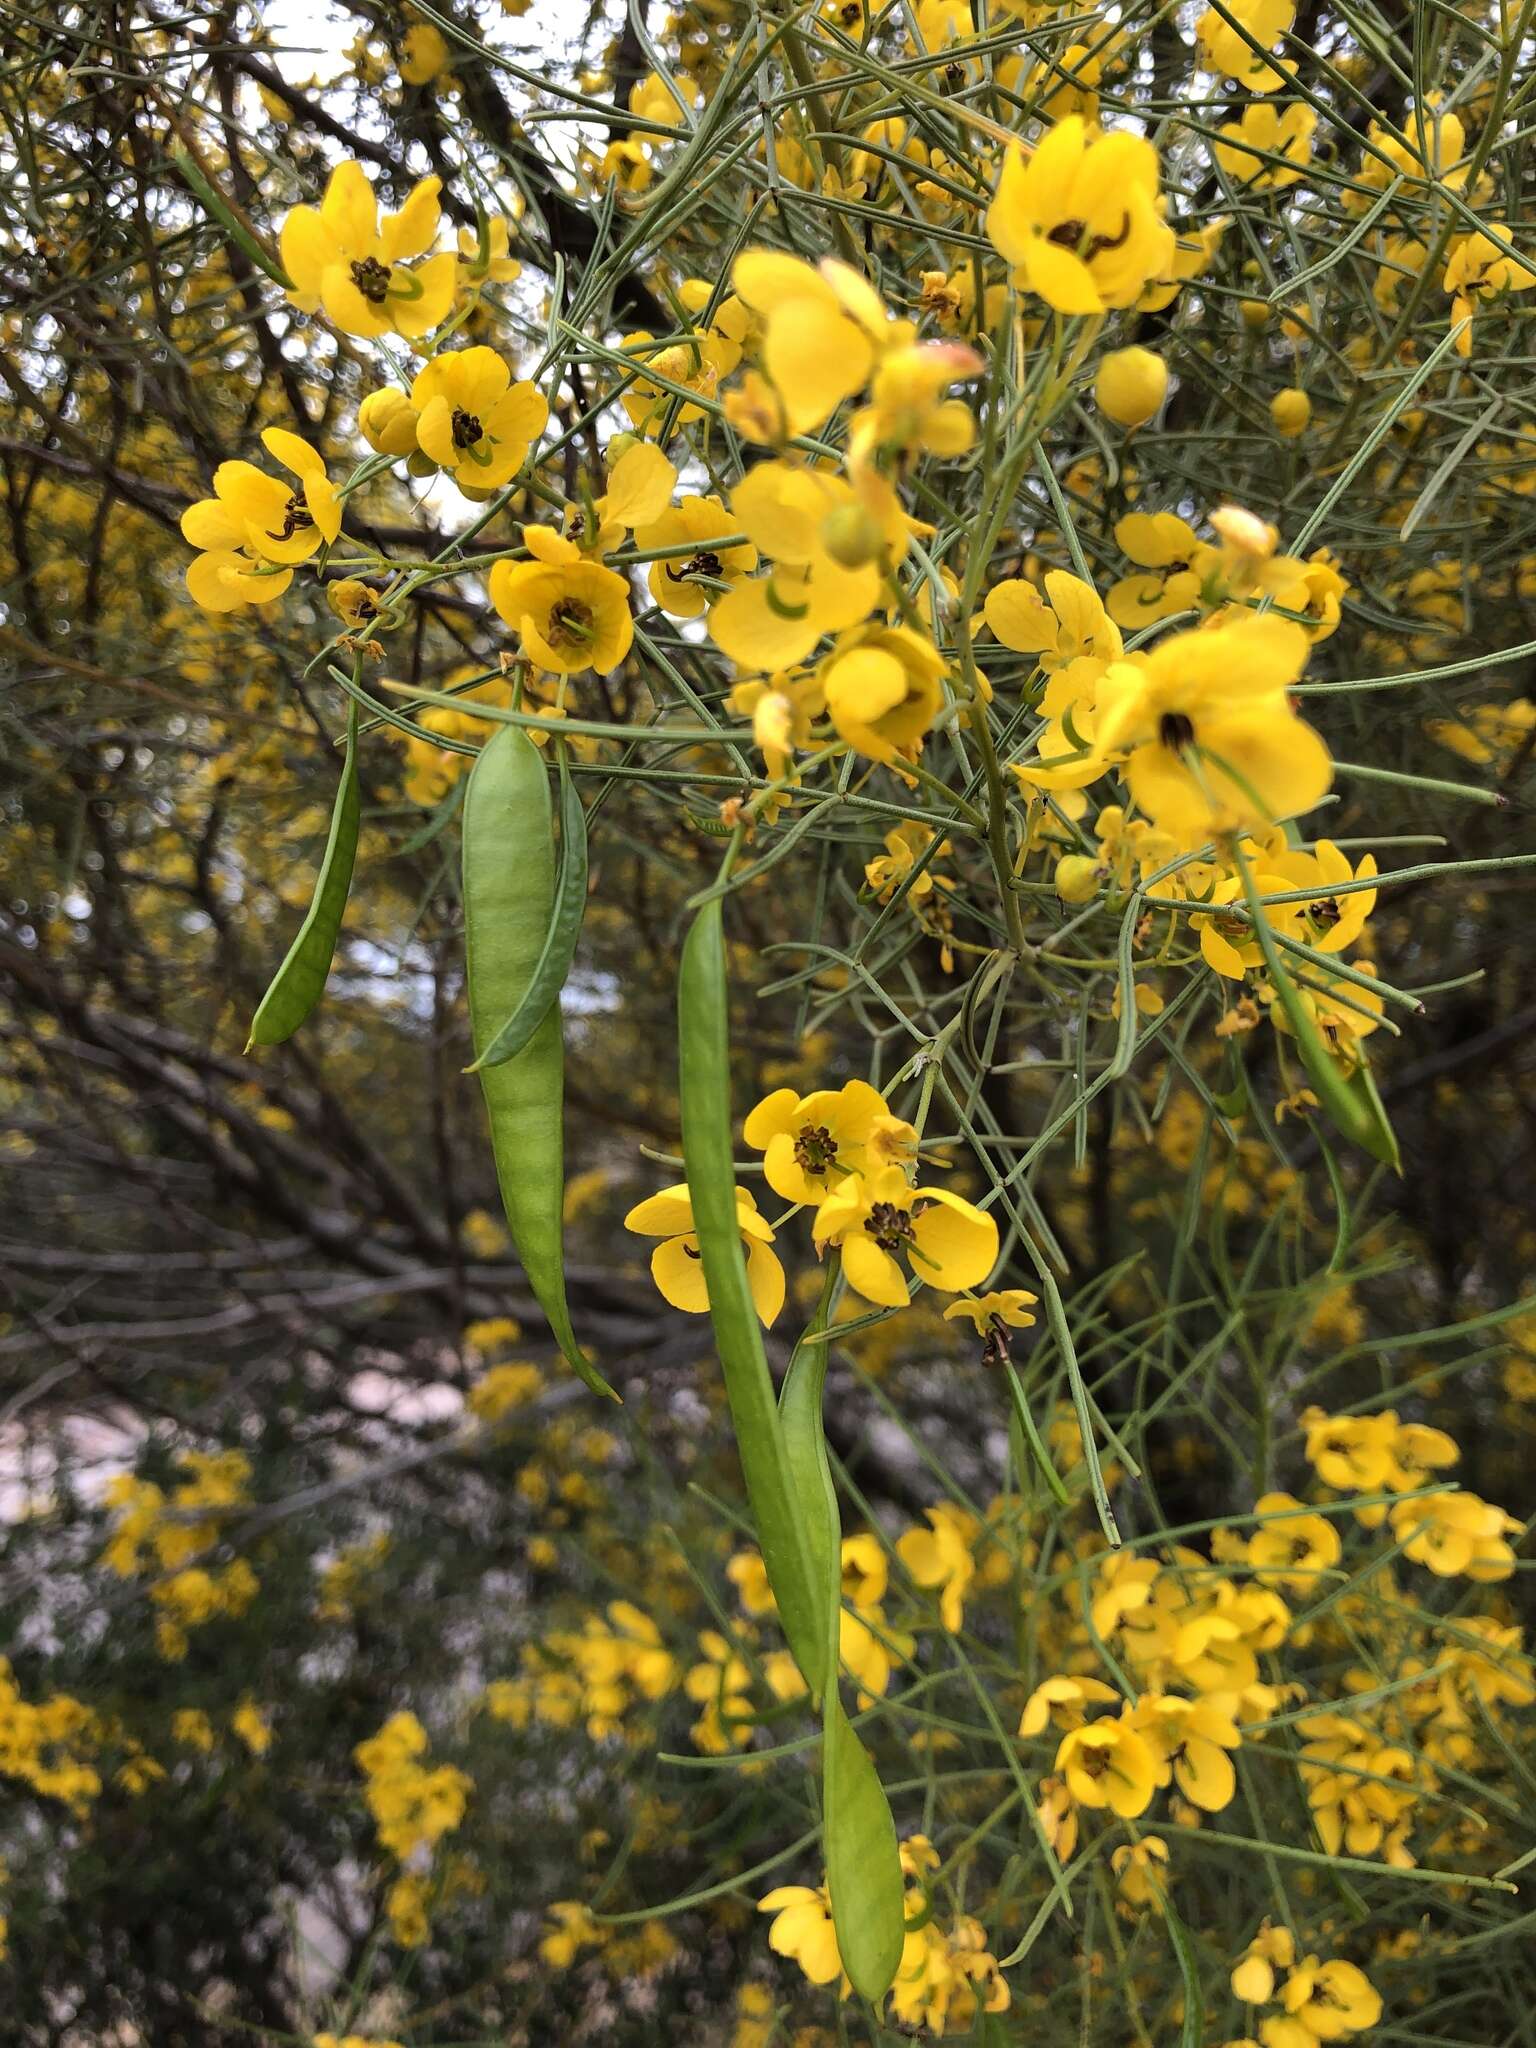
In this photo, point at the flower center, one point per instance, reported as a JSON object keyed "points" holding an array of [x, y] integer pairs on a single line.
{"points": [[570, 623], [295, 516], [1069, 234], [372, 279], [889, 1225], [705, 563], [467, 430], [1176, 730], [815, 1149]]}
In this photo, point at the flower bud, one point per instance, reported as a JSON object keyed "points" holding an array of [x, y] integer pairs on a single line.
{"points": [[386, 420], [852, 536], [1077, 878], [1255, 314], [1291, 412], [1130, 386]]}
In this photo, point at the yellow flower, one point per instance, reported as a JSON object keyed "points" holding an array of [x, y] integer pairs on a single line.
{"points": [[1253, 1976], [1291, 1547], [749, 1575], [1165, 546], [1352, 1453], [572, 1930], [686, 584], [1068, 623], [1107, 1763], [810, 1143], [676, 1266], [191, 1726], [342, 256], [1063, 1701], [386, 419], [1009, 1307], [1078, 218], [1264, 128], [472, 419], [1129, 386], [822, 330], [1191, 1738], [865, 1571], [254, 519], [224, 579], [1323, 2002], [939, 1558], [883, 690], [424, 54], [908, 413], [1140, 1868], [1214, 744], [253, 1727], [803, 1930], [354, 603], [1478, 272], [874, 1218], [569, 614], [789, 513], [1222, 49], [1331, 923], [496, 265], [905, 845], [504, 1388], [1456, 1533], [1230, 944]]}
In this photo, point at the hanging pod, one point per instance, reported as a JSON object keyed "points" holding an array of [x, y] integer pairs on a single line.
{"points": [[789, 1482], [511, 908]]}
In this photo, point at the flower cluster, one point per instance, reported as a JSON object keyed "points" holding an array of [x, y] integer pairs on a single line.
{"points": [[162, 1534], [413, 1807]]}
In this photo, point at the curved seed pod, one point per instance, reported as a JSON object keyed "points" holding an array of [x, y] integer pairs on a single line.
{"points": [[299, 983], [509, 890], [789, 1483], [553, 966]]}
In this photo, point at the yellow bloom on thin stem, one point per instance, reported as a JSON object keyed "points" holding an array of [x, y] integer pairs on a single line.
{"points": [[1253, 1976], [1107, 1763], [1064, 1701], [815, 585], [1008, 1305], [472, 419], [1224, 50], [811, 1143], [1478, 273], [802, 1929], [570, 614], [1291, 1547], [880, 1218], [261, 513], [687, 583], [1190, 1739], [1264, 127], [341, 255], [1213, 744], [386, 419], [823, 331], [940, 1559], [1078, 217], [1174, 562], [676, 1264], [883, 689], [1069, 621]]}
